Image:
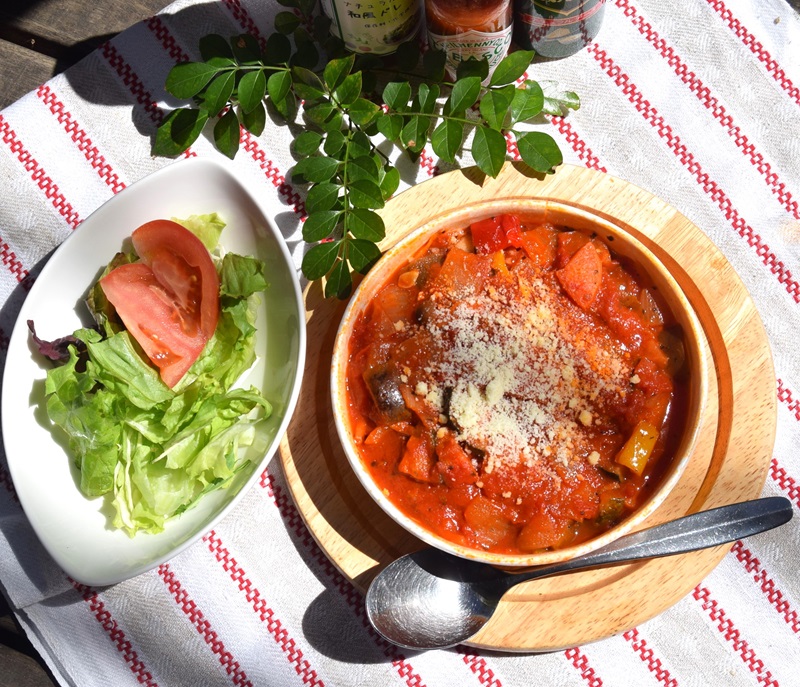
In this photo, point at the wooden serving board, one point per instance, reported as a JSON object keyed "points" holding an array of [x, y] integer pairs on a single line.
{"points": [[730, 463]]}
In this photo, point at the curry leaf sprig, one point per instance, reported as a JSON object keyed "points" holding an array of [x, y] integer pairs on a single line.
{"points": [[344, 111]]}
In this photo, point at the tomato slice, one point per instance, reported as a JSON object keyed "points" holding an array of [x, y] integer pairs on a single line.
{"points": [[170, 301], [183, 265]]}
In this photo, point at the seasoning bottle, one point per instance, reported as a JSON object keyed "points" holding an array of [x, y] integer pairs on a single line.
{"points": [[374, 26], [470, 28], [557, 28]]}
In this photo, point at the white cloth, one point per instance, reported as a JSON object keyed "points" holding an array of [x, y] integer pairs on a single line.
{"points": [[697, 102]]}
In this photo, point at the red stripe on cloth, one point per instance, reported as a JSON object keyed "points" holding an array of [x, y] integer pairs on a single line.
{"points": [[264, 612], [732, 635], [245, 20], [757, 48], [704, 95], [250, 144], [785, 396], [579, 146], [477, 664], [44, 182], [581, 663], [785, 481], [767, 584], [352, 596], [163, 35], [203, 627], [427, 163], [673, 141], [654, 664], [115, 633], [81, 138], [10, 260], [132, 81]]}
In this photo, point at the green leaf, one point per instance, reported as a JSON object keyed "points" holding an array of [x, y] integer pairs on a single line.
{"points": [[246, 49], [364, 193], [226, 134], [447, 138], [334, 143], [363, 168], [316, 169], [556, 101], [427, 96], [396, 95], [473, 68], [306, 55], [339, 281], [334, 122], [320, 113], [415, 134], [350, 89], [363, 112], [496, 104], [365, 224], [215, 50], [489, 150], [255, 120], [179, 130], [278, 85], [278, 49], [511, 67], [464, 94], [360, 145], [539, 151], [337, 70], [318, 261], [321, 197], [286, 22], [390, 182], [187, 79], [390, 126], [527, 103], [307, 142], [434, 64], [362, 254], [307, 84], [219, 91], [319, 225], [252, 89]]}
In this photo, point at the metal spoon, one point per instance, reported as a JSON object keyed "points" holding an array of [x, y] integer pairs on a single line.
{"points": [[433, 600]]}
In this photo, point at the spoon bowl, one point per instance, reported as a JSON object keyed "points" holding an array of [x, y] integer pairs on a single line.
{"points": [[433, 600]]}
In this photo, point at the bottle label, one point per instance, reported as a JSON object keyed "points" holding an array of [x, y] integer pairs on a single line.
{"points": [[480, 45], [373, 26]]}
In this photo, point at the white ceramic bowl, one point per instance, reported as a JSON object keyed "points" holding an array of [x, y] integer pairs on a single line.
{"points": [[75, 530], [623, 244]]}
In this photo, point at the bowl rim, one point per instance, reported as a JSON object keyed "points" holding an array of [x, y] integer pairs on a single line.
{"points": [[644, 259]]}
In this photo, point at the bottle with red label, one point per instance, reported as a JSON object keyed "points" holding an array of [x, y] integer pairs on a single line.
{"points": [[557, 28], [481, 29]]}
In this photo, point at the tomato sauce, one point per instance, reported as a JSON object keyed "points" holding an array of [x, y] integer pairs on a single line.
{"points": [[516, 387]]}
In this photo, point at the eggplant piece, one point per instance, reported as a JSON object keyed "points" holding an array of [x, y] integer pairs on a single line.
{"points": [[383, 384]]}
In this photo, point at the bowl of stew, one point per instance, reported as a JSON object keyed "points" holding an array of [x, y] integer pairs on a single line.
{"points": [[519, 381]]}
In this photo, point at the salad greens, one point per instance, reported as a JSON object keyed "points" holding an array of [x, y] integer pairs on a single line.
{"points": [[154, 450]]}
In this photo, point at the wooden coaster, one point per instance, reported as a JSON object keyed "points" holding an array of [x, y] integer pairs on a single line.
{"points": [[729, 465]]}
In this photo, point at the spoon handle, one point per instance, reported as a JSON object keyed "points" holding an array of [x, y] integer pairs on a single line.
{"points": [[690, 533]]}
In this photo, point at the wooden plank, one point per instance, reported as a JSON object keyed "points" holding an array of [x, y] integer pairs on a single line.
{"points": [[21, 70], [39, 41]]}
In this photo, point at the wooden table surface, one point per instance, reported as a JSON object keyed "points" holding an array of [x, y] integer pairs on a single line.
{"points": [[38, 39]]}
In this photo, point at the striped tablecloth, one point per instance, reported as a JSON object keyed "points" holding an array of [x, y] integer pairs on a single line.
{"points": [[697, 102]]}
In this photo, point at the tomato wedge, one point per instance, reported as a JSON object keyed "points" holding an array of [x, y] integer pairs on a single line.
{"points": [[170, 301]]}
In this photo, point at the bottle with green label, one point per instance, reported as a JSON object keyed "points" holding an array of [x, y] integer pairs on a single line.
{"points": [[557, 28], [374, 26]]}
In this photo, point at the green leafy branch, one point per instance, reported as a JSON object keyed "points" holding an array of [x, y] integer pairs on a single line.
{"points": [[342, 112]]}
